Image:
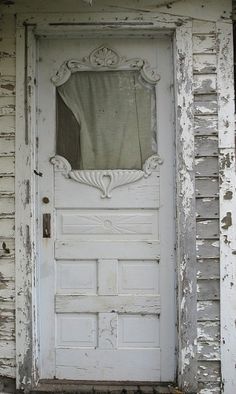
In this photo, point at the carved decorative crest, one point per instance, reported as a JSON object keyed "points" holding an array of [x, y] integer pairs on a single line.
{"points": [[102, 59], [105, 180]]}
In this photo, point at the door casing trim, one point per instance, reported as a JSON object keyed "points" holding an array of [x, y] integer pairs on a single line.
{"points": [[28, 29]]}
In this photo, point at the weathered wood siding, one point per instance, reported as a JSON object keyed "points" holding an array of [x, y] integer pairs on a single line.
{"points": [[7, 203], [207, 184], [207, 205]]}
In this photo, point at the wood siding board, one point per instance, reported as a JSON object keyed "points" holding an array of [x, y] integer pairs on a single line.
{"points": [[206, 125], [7, 125], [208, 331], [7, 86], [208, 350], [206, 167], [7, 105], [225, 84], [204, 64], [208, 289], [209, 388], [207, 187], [207, 208], [7, 66], [7, 26], [208, 228], [206, 146], [204, 83], [7, 227], [208, 310], [7, 47], [7, 268], [8, 367], [7, 145], [204, 43], [208, 371], [205, 105], [7, 184], [207, 248], [208, 269]]}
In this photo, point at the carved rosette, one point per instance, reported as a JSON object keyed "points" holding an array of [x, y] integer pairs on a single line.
{"points": [[105, 180], [104, 59]]}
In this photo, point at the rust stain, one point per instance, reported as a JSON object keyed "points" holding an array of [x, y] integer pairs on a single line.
{"points": [[227, 221]]}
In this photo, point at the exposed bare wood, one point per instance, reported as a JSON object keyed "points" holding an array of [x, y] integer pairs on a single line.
{"points": [[207, 208], [208, 310], [206, 125], [209, 331], [208, 289], [205, 105], [206, 167], [208, 268], [7, 145], [207, 248], [208, 371], [209, 387], [208, 228], [7, 125], [204, 43], [206, 146], [204, 83], [204, 64], [208, 350], [207, 187]]}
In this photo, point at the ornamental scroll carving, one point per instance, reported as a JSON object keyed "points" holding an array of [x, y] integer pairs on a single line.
{"points": [[105, 180], [104, 59]]}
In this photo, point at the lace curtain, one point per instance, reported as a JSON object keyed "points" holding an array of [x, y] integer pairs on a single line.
{"points": [[107, 121]]}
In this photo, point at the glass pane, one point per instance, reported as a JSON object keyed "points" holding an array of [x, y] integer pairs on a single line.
{"points": [[106, 120]]}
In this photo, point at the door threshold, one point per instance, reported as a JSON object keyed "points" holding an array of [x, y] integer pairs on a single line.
{"points": [[104, 387]]}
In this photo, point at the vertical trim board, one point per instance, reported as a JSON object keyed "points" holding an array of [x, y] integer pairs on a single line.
{"points": [[26, 351], [227, 206], [186, 232]]}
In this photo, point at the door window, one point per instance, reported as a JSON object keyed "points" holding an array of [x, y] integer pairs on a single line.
{"points": [[106, 120]]}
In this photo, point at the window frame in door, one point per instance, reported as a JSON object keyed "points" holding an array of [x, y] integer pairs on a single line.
{"points": [[29, 28]]}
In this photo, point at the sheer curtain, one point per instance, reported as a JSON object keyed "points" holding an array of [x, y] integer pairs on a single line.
{"points": [[114, 111]]}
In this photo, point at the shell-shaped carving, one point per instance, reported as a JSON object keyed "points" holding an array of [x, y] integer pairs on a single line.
{"points": [[105, 180], [102, 59], [91, 178], [61, 164], [151, 164]]}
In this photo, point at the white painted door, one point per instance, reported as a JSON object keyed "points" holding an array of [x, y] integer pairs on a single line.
{"points": [[106, 237]]}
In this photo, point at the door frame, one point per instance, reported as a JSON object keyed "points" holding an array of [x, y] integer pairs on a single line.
{"points": [[29, 27]]}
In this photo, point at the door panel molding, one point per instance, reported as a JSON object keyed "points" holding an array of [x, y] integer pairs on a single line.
{"points": [[28, 29]]}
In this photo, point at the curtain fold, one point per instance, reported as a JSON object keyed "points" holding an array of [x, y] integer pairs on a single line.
{"points": [[114, 111]]}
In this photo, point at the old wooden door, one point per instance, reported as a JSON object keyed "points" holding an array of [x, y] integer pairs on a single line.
{"points": [[106, 217]]}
